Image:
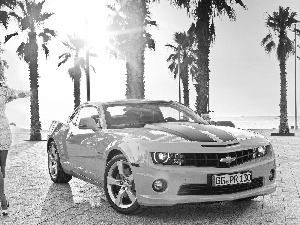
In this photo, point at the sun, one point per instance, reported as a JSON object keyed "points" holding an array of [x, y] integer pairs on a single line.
{"points": [[96, 15], [86, 19]]}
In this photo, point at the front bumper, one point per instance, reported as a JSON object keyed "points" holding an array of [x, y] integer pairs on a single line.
{"points": [[177, 176]]}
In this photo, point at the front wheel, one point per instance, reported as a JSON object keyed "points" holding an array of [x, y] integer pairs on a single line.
{"points": [[56, 171], [119, 185]]}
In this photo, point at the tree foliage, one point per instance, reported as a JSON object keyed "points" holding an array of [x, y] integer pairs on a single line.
{"points": [[30, 18], [204, 12], [184, 52], [130, 23], [77, 47], [6, 6]]}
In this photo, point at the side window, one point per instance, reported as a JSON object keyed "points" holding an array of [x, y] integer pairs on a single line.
{"points": [[88, 111]]}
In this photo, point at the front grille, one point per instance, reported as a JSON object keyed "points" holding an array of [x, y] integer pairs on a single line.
{"points": [[213, 159], [204, 189]]}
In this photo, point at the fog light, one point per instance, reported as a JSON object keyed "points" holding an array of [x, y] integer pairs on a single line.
{"points": [[272, 174], [159, 185]]}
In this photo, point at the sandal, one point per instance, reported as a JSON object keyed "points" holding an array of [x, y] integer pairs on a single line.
{"points": [[5, 212]]}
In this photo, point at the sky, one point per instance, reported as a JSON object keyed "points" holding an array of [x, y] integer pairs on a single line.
{"points": [[244, 80]]}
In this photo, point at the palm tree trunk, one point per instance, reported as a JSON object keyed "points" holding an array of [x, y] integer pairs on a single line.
{"points": [[35, 127], [77, 78], [185, 85], [135, 84], [283, 126], [202, 77], [76, 92], [135, 60]]}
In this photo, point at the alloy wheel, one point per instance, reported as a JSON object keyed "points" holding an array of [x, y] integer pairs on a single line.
{"points": [[53, 161], [120, 184]]}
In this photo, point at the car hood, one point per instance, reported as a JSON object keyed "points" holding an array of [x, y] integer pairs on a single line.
{"points": [[191, 132]]}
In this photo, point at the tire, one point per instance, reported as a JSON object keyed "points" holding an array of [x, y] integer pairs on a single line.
{"points": [[55, 169], [119, 186]]}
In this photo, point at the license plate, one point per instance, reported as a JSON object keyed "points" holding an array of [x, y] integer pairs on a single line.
{"points": [[231, 179]]}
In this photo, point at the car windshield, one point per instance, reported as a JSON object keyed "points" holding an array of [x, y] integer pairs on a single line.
{"points": [[129, 115]]}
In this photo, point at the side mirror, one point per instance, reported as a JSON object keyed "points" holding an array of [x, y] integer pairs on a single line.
{"points": [[88, 123]]}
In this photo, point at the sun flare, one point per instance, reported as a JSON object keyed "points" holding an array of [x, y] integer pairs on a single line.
{"points": [[88, 20]]}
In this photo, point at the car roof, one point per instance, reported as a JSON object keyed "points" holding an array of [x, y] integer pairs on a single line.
{"points": [[130, 101]]}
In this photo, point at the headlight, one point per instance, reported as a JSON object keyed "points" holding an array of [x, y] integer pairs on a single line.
{"points": [[259, 152], [165, 158], [160, 157]]}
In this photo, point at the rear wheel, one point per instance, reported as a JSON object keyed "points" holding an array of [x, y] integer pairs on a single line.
{"points": [[55, 169], [119, 185]]}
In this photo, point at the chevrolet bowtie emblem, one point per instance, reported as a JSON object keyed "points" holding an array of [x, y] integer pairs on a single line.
{"points": [[228, 159]]}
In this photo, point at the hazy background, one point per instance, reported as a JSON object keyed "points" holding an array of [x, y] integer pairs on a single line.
{"points": [[244, 79]]}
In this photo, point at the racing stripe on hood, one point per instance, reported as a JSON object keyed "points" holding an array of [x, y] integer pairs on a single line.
{"points": [[221, 134], [181, 131], [194, 132]]}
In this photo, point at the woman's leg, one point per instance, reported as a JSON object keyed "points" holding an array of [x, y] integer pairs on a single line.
{"points": [[3, 157]]}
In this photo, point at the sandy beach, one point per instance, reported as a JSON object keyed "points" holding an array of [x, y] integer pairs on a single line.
{"points": [[34, 199]]}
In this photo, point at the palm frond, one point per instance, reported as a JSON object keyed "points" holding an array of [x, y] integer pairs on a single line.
{"points": [[22, 6], [15, 15], [4, 18], [230, 12], [8, 3], [171, 46], [47, 34], [150, 43], [45, 37], [21, 50], [94, 69], [65, 57], [186, 4], [266, 39], [44, 16], [68, 45], [50, 32], [171, 57], [8, 37], [46, 49], [270, 46], [241, 3]]}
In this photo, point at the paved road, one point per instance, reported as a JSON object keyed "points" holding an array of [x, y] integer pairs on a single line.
{"points": [[34, 199]]}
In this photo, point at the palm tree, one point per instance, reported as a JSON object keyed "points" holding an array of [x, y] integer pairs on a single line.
{"points": [[204, 13], [130, 22], [279, 23], [31, 24], [185, 52], [5, 7], [76, 47]]}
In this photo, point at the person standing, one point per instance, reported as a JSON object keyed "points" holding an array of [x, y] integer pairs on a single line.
{"points": [[6, 95]]}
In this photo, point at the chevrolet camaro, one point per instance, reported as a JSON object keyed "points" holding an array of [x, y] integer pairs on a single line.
{"points": [[158, 153]]}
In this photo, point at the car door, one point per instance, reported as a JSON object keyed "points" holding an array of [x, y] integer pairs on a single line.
{"points": [[82, 145]]}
